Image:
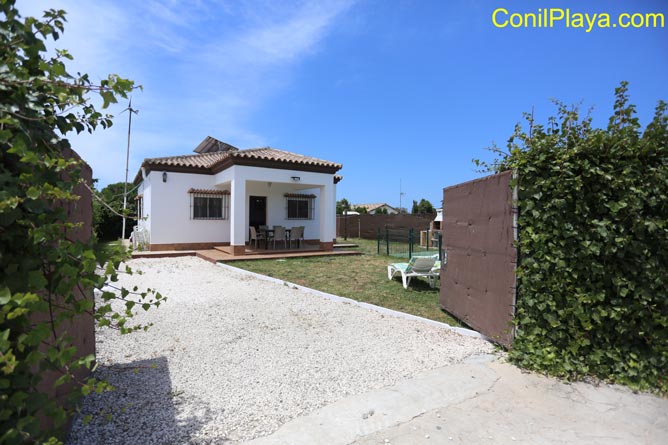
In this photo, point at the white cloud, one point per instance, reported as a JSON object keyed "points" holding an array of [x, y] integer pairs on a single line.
{"points": [[94, 33], [246, 65], [207, 67], [284, 41]]}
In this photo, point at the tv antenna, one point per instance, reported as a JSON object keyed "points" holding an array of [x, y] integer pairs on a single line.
{"points": [[130, 111]]}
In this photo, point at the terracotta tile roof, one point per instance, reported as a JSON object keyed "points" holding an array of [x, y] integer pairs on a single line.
{"points": [[273, 154], [209, 160], [214, 156], [204, 160]]}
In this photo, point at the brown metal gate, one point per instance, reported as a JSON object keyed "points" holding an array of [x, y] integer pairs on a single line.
{"points": [[478, 280]]}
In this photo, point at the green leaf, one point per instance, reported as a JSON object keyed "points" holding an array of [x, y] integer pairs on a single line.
{"points": [[33, 193], [5, 296]]}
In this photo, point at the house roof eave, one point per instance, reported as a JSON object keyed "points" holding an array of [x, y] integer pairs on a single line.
{"points": [[226, 163], [149, 167]]}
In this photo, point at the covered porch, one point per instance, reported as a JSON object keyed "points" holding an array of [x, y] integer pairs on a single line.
{"points": [[264, 198]]}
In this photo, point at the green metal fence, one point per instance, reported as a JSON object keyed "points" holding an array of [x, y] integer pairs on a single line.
{"points": [[407, 243]]}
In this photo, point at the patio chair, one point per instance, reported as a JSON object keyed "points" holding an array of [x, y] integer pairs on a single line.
{"points": [[254, 236], [280, 236], [267, 233], [418, 266], [297, 234]]}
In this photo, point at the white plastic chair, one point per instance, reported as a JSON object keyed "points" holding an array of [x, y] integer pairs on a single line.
{"points": [[254, 236], [280, 235], [297, 234]]}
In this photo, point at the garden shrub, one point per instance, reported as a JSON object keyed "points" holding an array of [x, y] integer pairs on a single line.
{"points": [[593, 243], [107, 217], [44, 269]]}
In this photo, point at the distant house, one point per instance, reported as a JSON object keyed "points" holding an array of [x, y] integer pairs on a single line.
{"points": [[374, 208], [210, 198]]}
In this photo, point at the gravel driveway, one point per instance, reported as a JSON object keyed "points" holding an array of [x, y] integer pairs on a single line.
{"points": [[232, 357]]}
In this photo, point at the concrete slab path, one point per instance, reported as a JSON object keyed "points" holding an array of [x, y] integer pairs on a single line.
{"points": [[483, 401]]}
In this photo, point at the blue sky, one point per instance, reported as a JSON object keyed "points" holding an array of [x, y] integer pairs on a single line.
{"points": [[395, 90]]}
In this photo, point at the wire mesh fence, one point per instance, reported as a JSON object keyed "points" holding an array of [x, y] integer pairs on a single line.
{"points": [[407, 243]]}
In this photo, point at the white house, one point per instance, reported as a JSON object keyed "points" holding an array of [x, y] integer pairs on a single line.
{"points": [[211, 198], [372, 209]]}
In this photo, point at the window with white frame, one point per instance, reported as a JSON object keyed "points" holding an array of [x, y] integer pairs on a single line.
{"points": [[209, 204], [299, 206]]}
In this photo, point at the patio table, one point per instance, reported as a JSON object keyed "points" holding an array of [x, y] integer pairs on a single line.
{"points": [[271, 231]]}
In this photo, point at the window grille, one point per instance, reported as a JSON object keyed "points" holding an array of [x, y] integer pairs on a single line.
{"points": [[299, 206], [209, 204]]}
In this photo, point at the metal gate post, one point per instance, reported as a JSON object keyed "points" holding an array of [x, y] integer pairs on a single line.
{"points": [[378, 239], [410, 243], [440, 246], [387, 240]]}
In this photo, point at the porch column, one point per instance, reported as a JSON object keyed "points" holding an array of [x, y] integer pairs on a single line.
{"points": [[238, 227], [327, 216]]}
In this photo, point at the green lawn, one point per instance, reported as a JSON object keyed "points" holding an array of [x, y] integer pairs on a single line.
{"points": [[362, 278]]}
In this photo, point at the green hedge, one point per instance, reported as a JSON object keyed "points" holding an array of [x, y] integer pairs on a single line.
{"points": [[593, 244]]}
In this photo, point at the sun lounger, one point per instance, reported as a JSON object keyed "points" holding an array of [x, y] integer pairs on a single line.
{"points": [[419, 266]]}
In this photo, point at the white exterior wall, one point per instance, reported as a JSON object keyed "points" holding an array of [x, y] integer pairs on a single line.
{"points": [[145, 190], [169, 211], [328, 212], [238, 212]]}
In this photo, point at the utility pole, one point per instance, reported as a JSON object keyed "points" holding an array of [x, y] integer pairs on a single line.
{"points": [[130, 111], [401, 194]]}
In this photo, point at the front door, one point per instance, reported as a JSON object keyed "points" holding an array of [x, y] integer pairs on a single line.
{"points": [[257, 211]]}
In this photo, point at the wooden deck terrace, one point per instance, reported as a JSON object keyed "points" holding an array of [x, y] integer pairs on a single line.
{"points": [[223, 253]]}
